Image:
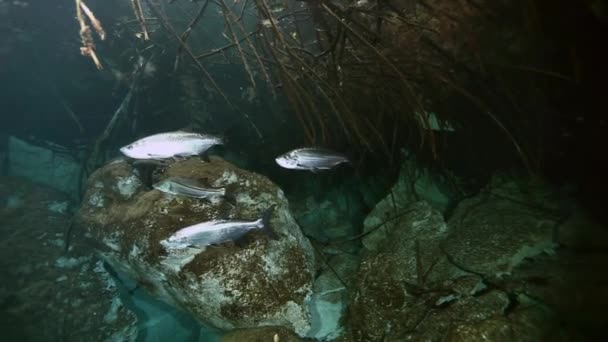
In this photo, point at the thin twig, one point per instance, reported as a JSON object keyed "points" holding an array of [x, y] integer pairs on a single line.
{"points": [[373, 229], [252, 48], [88, 45], [222, 48], [117, 114], [94, 21], [235, 39], [139, 14], [411, 94], [164, 22], [72, 115], [486, 110], [186, 33]]}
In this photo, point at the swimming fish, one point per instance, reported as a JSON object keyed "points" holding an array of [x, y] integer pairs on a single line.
{"points": [[217, 231], [182, 186], [310, 158], [170, 145]]}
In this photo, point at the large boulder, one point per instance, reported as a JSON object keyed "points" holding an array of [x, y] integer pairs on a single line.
{"points": [[46, 294], [424, 279], [389, 290], [509, 221], [264, 282]]}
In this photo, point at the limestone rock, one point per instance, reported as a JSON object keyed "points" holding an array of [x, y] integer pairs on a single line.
{"points": [[407, 293], [413, 184], [265, 282], [391, 279], [262, 334], [330, 218], [45, 294], [493, 232], [425, 280], [44, 166]]}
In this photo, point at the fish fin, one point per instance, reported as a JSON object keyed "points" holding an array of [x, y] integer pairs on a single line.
{"points": [[266, 223], [205, 156], [316, 170]]}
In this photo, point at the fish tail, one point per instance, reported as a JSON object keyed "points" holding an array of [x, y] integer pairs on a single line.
{"points": [[266, 223]]}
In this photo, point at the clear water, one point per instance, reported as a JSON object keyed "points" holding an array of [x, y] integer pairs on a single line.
{"points": [[472, 206]]}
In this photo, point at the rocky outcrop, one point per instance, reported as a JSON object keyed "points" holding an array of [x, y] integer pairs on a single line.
{"points": [[391, 281], [413, 184], [507, 222], [46, 294], [263, 282], [428, 280]]}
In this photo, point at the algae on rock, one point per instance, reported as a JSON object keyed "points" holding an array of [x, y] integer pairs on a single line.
{"points": [[45, 294], [265, 282], [424, 279]]}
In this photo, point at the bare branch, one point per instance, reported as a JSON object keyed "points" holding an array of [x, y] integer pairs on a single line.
{"points": [[139, 14]]}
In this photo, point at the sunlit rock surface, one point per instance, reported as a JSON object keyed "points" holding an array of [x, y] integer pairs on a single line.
{"points": [[264, 282], [47, 294]]}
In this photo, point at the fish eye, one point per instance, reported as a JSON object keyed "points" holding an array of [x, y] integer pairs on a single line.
{"points": [[129, 147]]}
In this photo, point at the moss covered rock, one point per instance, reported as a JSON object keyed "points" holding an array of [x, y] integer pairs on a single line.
{"points": [[259, 282], [263, 334], [47, 294], [426, 280]]}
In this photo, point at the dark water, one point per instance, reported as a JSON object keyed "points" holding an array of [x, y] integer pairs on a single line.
{"points": [[489, 225]]}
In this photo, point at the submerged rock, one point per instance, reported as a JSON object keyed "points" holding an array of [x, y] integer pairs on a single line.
{"points": [[390, 295], [58, 170], [262, 334], [264, 282], [329, 214], [424, 279], [46, 295], [496, 230], [413, 184], [330, 298]]}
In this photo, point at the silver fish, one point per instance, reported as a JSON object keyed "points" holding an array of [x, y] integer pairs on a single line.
{"points": [[170, 145], [217, 231], [310, 158], [182, 186]]}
